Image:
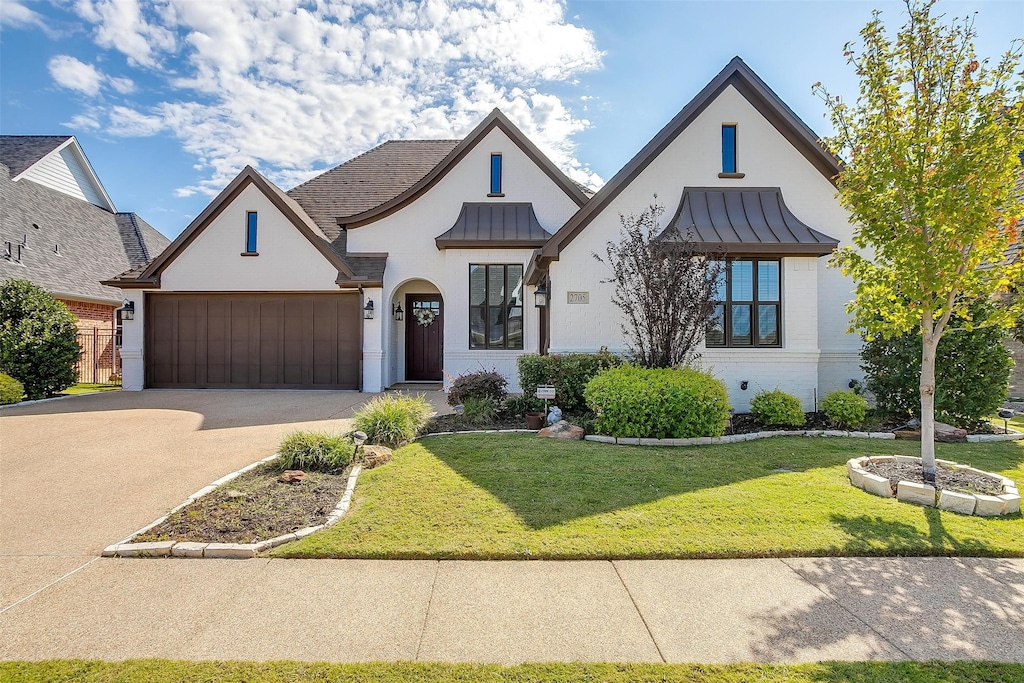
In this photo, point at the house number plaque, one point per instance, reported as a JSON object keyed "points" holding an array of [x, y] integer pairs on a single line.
{"points": [[546, 392], [578, 297]]}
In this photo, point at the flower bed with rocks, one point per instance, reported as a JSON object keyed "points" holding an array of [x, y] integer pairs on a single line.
{"points": [[957, 488]]}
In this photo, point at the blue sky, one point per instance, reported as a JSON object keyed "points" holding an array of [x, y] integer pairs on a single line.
{"points": [[171, 98]]}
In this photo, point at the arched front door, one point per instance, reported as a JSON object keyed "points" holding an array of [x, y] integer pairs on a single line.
{"points": [[424, 337]]}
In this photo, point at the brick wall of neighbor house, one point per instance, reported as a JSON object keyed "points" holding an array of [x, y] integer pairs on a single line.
{"points": [[1017, 376], [91, 315]]}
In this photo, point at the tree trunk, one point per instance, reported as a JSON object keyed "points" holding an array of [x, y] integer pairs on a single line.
{"points": [[928, 344]]}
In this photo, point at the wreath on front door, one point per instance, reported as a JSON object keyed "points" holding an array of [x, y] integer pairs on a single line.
{"points": [[425, 316]]}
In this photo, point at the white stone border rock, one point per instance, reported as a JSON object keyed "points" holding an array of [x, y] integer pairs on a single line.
{"points": [[124, 547], [1007, 503], [736, 438]]}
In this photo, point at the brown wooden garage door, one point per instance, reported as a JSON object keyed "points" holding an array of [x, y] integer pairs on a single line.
{"points": [[260, 341]]}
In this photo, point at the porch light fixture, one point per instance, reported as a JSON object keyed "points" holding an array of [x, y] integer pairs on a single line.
{"points": [[398, 313], [540, 296], [368, 310], [127, 310]]}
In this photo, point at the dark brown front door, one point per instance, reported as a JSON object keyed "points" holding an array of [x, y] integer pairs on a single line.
{"points": [[424, 332], [265, 341]]}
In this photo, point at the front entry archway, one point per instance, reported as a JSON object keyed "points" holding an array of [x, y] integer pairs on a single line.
{"points": [[424, 337]]}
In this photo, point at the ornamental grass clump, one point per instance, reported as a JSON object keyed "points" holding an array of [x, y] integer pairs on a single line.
{"points": [[777, 409], [314, 451], [845, 409], [658, 403], [393, 420]]}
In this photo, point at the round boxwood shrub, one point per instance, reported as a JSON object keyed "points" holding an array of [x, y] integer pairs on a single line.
{"points": [[38, 345], [845, 409], [658, 403], [777, 409], [11, 390]]}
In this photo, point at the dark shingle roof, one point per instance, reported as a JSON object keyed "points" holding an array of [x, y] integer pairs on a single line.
{"points": [[18, 152], [745, 220], [369, 180], [93, 242], [486, 224]]}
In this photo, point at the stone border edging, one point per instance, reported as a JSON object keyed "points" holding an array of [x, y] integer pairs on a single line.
{"points": [[1007, 503], [124, 548], [736, 438]]}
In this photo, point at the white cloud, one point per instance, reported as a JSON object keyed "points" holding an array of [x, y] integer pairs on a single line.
{"points": [[75, 75], [16, 15], [293, 90]]}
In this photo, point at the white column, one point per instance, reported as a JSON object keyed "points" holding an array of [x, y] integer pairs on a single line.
{"points": [[133, 334], [373, 341]]}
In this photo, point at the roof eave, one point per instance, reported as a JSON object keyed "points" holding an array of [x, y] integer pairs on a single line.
{"points": [[488, 244]]}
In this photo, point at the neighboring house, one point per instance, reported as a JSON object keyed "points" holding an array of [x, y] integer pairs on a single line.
{"points": [[274, 289], [60, 230]]}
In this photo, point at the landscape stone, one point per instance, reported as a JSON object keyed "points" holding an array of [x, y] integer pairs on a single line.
{"points": [[957, 502], [292, 477], [857, 477], [562, 430], [375, 456], [231, 551], [155, 549], [945, 433], [877, 485], [1011, 503], [989, 506], [188, 549], [912, 492]]}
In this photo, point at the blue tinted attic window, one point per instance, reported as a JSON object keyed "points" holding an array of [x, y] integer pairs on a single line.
{"points": [[495, 174], [728, 149], [250, 232]]}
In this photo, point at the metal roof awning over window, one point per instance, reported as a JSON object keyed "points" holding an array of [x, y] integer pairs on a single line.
{"points": [[745, 221], [485, 225]]}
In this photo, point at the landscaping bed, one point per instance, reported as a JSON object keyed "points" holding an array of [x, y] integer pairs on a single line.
{"points": [[945, 478], [512, 496], [254, 506]]}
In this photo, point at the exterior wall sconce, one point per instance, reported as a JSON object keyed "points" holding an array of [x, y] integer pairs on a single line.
{"points": [[127, 310], [540, 296], [398, 313], [743, 385], [368, 310]]}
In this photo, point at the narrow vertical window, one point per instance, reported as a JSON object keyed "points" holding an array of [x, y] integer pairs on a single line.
{"points": [[729, 148], [250, 232], [495, 174]]}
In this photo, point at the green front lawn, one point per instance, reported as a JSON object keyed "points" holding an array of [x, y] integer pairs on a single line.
{"points": [[159, 670], [87, 388], [513, 496]]}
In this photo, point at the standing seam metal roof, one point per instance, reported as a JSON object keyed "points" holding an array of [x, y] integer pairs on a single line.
{"points": [[489, 224]]}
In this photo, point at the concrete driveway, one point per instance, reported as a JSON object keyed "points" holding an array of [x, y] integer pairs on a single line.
{"points": [[81, 473]]}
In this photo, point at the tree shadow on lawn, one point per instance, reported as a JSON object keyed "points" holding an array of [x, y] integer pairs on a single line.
{"points": [[547, 482]]}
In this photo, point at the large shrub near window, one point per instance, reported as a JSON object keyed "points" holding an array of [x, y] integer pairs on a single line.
{"points": [[478, 386], [37, 339], [658, 404], [569, 373], [972, 374]]}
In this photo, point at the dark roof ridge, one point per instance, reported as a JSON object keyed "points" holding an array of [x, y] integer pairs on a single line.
{"points": [[138, 233], [751, 87]]}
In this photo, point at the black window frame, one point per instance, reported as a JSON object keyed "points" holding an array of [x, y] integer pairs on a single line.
{"points": [[495, 175], [735, 161], [754, 303], [251, 233], [506, 306]]}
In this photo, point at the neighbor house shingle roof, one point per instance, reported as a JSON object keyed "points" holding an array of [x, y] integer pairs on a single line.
{"points": [[19, 152], [368, 180], [70, 244]]}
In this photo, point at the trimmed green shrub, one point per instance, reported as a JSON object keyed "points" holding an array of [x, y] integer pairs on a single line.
{"points": [[490, 385], [777, 409], [393, 419], [38, 346], [845, 409], [972, 375], [314, 451], [518, 406], [479, 410], [569, 373], [658, 404], [11, 390]]}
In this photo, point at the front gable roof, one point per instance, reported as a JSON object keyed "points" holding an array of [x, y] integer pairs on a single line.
{"points": [[25, 154], [736, 74], [494, 120], [149, 277]]}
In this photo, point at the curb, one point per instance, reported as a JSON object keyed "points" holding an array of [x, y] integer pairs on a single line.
{"points": [[124, 548]]}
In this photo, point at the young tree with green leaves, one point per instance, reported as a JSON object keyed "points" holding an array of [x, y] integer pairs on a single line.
{"points": [[931, 148]]}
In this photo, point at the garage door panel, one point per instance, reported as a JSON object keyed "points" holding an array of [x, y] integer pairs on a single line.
{"points": [[254, 341]]}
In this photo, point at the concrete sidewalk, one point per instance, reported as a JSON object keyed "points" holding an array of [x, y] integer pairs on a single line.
{"points": [[792, 610]]}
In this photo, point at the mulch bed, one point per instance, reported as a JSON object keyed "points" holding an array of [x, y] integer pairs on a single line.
{"points": [[266, 508], [952, 480], [458, 423]]}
